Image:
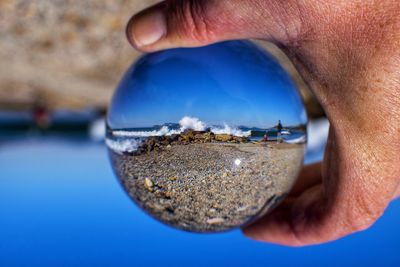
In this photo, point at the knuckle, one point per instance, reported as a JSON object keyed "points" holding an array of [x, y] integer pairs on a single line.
{"points": [[190, 19], [286, 20]]}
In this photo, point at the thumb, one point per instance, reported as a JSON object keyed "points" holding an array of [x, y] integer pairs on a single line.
{"points": [[186, 23]]}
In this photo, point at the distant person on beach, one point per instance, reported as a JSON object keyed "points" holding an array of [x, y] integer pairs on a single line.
{"points": [[41, 115], [279, 132], [348, 52]]}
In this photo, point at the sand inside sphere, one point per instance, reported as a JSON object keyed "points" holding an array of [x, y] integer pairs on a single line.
{"points": [[209, 186]]}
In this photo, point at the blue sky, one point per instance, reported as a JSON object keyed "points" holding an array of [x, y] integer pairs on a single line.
{"points": [[231, 82]]}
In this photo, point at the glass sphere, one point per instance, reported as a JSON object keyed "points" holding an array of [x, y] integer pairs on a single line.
{"points": [[207, 139]]}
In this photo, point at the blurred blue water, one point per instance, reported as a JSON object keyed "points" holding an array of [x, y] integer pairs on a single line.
{"points": [[60, 205]]}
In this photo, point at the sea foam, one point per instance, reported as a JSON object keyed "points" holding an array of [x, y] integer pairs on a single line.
{"points": [[121, 146], [163, 131], [185, 123], [122, 141]]}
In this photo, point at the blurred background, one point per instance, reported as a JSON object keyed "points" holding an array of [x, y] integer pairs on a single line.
{"points": [[60, 204], [69, 55]]}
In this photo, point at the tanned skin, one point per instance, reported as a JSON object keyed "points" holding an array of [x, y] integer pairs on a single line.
{"points": [[348, 52]]}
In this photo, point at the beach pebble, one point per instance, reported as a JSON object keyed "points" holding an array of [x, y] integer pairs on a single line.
{"points": [[215, 221], [212, 210], [242, 208], [148, 184]]}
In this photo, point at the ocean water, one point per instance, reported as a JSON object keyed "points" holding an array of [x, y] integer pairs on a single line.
{"points": [[60, 205]]}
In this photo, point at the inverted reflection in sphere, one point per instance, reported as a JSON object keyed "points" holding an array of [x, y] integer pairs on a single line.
{"points": [[207, 139]]}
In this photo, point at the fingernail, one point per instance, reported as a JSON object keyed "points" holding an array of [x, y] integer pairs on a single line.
{"points": [[148, 28]]}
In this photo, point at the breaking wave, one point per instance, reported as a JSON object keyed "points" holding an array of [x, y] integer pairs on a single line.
{"points": [[229, 130], [163, 131], [192, 123], [122, 141], [185, 123], [121, 146]]}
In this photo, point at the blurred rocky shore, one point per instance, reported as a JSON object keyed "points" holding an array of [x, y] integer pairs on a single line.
{"points": [[70, 54]]}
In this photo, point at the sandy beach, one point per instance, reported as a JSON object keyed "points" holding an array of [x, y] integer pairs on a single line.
{"points": [[208, 187]]}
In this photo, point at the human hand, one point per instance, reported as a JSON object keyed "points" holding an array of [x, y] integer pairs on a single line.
{"points": [[348, 52]]}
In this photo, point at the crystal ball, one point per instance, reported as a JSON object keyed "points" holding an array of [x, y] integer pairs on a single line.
{"points": [[207, 139]]}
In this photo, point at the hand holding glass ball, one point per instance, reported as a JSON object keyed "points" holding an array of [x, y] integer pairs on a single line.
{"points": [[352, 71], [207, 139]]}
